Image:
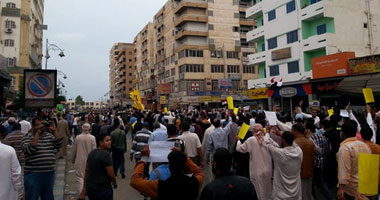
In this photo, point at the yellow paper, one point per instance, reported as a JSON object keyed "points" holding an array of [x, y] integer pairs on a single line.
{"points": [[368, 173], [230, 102], [368, 95], [331, 112], [243, 131], [236, 111], [265, 130], [165, 109]]}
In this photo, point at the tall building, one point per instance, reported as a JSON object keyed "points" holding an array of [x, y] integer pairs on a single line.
{"points": [[195, 53], [122, 72], [21, 34], [289, 34]]}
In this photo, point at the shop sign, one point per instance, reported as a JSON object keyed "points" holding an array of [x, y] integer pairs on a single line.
{"points": [[365, 65], [216, 99], [288, 92], [164, 88], [234, 76], [208, 84], [195, 86], [189, 100], [260, 93], [327, 86], [331, 65], [225, 84], [163, 100], [282, 54], [204, 99]]}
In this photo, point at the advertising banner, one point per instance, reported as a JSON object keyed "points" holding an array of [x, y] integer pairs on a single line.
{"points": [[332, 65], [164, 88], [365, 65], [225, 84]]}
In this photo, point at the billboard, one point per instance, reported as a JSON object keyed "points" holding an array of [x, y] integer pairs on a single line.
{"points": [[225, 84], [40, 88], [332, 65], [164, 88], [365, 65]]}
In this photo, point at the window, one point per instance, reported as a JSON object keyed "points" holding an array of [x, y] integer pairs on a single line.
{"points": [[130, 82], [290, 7], [292, 36], [210, 13], [130, 67], [293, 67], [211, 27], [321, 29], [274, 70], [11, 5], [271, 15], [195, 68], [130, 74], [235, 29], [236, 84], [233, 69], [248, 69], [9, 43], [237, 15], [232, 54], [263, 47], [215, 85], [217, 54], [190, 53], [11, 62], [315, 1], [10, 24], [217, 68], [173, 72], [245, 54], [272, 43]]}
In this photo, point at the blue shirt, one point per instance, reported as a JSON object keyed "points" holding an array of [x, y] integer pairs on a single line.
{"points": [[158, 135], [164, 173]]}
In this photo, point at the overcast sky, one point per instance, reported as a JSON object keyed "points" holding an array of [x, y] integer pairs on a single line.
{"points": [[87, 29]]}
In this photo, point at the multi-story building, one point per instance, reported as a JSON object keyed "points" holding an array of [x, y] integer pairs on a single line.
{"points": [[122, 72], [290, 33], [21, 33], [200, 51]]}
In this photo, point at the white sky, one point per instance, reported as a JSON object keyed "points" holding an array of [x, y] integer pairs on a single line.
{"points": [[87, 29]]}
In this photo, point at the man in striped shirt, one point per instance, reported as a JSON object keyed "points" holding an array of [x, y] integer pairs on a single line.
{"points": [[40, 147], [140, 140]]}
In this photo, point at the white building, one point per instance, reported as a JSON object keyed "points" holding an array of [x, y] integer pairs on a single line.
{"points": [[95, 105], [289, 33]]}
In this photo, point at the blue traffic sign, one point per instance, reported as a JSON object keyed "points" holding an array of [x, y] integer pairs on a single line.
{"points": [[40, 85]]}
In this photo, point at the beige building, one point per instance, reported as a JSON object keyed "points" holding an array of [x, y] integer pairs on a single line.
{"points": [[21, 33], [122, 72], [200, 49]]}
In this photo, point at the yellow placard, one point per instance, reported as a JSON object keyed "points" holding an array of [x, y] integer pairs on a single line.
{"points": [[230, 102], [243, 131], [236, 111], [166, 110], [162, 99], [368, 95], [368, 173], [331, 112]]}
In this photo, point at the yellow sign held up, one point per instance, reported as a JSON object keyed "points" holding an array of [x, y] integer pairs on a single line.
{"points": [[368, 95], [166, 110], [368, 173], [236, 111], [136, 97], [230, 102], [331, 112], [243, 131]]}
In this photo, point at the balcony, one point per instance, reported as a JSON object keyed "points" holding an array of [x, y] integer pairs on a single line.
{"points": [[199, 4], [190, 18], [255, 34], [247, 22], [180, 47], [256, 58], [313, 11], [182, 33], [255, 10], [315, 42]]}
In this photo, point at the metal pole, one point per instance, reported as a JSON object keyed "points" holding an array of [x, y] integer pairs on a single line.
{"points": [[47, 53]]}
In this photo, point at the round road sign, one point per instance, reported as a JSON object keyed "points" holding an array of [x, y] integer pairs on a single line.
{"points": [[40, 85]]}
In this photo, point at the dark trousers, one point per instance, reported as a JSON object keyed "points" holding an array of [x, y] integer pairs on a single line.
{"points": [[99, 194], [319, 182], [39, 184], [118, 160]]}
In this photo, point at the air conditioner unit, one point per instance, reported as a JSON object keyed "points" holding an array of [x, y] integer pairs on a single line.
{"points": [[8, 30]]}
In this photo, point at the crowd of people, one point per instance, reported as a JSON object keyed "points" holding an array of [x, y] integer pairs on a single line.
{"points": [[302, 156]]}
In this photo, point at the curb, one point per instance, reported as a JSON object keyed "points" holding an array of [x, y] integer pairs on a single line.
{"points": [[59, 184]]}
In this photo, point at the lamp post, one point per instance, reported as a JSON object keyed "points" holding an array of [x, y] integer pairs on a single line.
{"points": [[54, 48]]}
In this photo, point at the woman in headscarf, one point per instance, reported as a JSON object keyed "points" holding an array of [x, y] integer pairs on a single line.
{"points": [[84, 144]]}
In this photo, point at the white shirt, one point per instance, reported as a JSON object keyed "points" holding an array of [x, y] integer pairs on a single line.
{"points": [[10, 173], [162, 127], [252, 122], [192, 143], [25, 126]]}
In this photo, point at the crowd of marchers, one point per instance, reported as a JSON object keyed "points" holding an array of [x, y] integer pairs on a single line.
{"points": [[305, 155]]}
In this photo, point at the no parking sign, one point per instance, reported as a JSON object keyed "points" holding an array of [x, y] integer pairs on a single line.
{"points": [[40, 88]]}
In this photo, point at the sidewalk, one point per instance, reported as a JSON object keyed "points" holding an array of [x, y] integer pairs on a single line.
{"points": [[59, 184]]}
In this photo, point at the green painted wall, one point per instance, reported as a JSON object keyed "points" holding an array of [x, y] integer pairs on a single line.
{"points": [[308, 55], [262, 73], [309, 28], [259, 21], [259, 45], [304, 2]]}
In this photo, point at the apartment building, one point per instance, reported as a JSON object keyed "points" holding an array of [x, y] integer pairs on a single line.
{"points": [[122, 72], [199, 53], [290, 33], [21, 33]]}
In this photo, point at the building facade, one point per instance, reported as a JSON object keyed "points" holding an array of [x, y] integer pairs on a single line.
{"points": [[21, 33], [290, 33], [122, 72], [199, 53]]}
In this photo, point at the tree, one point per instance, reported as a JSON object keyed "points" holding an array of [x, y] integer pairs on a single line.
{"points": [[79, 100]]}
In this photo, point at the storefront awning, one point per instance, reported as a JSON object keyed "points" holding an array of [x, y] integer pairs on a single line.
{"points": [[355, 84]]}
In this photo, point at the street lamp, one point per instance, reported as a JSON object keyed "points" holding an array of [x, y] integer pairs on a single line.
{"points": [[61, 73], [54, 48]]}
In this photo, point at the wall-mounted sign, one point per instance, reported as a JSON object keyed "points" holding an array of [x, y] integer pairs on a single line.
{"points": [[234, 76], [260, 93], [225, 84], [288, 92], [332, 65], [282, 54], [162, 99], [164, 88], [365, 65]]}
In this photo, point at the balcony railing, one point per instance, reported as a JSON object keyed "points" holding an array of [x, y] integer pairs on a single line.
{"points": [[257, 58], [255, 10], [313, 10], [255, 34]]}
